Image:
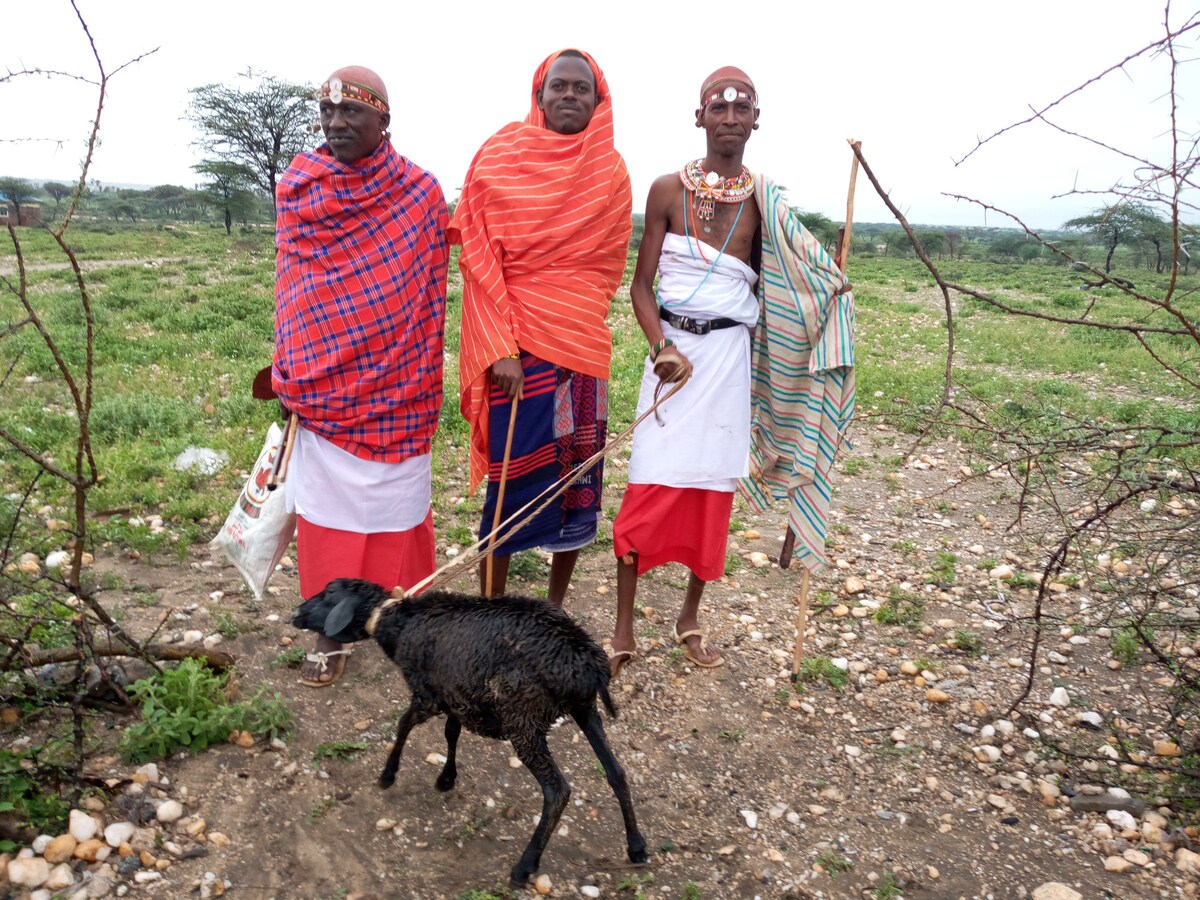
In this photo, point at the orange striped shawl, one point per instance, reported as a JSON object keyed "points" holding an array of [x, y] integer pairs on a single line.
{"points": [[544, 221]]}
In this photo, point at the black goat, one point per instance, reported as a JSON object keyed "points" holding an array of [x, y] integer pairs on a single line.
{"points": [[505, 668]]}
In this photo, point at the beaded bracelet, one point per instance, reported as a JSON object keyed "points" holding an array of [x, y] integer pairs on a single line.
{"points": [[513, 356], [660, 347]]}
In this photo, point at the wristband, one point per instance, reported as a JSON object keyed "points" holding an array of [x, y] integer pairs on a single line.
{"points": [[660, 347]]}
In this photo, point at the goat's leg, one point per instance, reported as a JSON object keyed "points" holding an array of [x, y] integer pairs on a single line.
{"points": [[449, 774], [413, 716], [534, 752], [593, 729]]}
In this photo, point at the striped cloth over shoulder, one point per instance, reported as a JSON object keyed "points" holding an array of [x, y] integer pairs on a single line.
{"points": [[544, 221], [802, 370], [360, 301]]}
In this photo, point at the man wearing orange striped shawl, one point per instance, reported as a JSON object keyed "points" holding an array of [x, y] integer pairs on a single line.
{"points": [[544, 221], [710, 230]]}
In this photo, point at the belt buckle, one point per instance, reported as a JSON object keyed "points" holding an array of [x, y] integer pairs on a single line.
{"points": [[691, 326]]}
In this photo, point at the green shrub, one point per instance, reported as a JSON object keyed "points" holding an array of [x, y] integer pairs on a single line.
{"points": [[186, 708]]}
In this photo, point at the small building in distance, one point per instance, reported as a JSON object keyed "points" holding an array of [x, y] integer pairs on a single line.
{"points": [[31, 213]]}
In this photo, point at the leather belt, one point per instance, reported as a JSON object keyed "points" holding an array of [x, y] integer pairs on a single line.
{"points": [[694, 326]]}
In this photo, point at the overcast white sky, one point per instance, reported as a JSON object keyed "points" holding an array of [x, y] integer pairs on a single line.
{"points": [[916, 81]]}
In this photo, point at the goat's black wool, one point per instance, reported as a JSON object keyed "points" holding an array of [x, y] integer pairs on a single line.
{"points": [[505, 668]]}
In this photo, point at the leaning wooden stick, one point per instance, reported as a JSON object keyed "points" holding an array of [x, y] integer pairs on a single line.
{"points": [[283, 455], [789, 540], [490, 562]]}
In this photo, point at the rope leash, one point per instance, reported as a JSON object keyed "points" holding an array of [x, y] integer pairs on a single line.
{"points": [[545, 498]]}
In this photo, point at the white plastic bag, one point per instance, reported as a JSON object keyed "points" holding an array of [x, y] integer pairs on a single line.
{"points": [[259, 527]]}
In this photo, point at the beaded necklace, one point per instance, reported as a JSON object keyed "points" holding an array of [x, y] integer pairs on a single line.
{"points": [[709, 188]]}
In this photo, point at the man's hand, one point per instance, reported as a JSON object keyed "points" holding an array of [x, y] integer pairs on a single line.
{"points": [[670, 365], [508, 375]]}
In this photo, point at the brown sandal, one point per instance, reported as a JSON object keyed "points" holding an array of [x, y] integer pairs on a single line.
{"points": [[326, 663], [681, 639]]}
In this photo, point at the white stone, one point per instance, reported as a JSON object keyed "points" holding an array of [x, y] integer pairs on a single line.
{"points": [[82, 825], [118, 833], [1055, 890], [1121, 819], [28, 872], [150, 770], [170, 811], [61, 876], [1059, 697], [751, 818], [590, 890]]}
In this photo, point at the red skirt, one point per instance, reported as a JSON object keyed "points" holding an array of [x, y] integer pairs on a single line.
{"points": [[668, 524], [388, 558]]}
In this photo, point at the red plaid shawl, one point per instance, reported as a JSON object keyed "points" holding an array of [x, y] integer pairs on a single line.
{"points": [[360, 301]]}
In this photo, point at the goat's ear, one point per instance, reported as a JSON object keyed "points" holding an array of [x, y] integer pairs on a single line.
{"points": [[339, 619]]}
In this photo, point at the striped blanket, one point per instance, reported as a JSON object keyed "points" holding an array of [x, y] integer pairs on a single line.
{"points": [[802, 371]]}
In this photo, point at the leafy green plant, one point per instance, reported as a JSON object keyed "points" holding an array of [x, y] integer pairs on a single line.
{"points": [[733, 562], [338, 749], [1127, 645], [186, 708], [528, 565], [901, 608], [291, 658], [634, 882], [966, 641], [735, 735], [834, 863], [941, 572], [820, 669], [887, 889], [691, 891], [24, 777]]}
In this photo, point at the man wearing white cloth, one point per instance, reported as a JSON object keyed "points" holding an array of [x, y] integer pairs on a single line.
{"points": [[702, 237]]}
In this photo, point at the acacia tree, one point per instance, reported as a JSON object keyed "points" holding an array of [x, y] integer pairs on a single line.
{"points": [[1113, 225], [58, 192], [259, 127], [18, 191], [227, 187]]}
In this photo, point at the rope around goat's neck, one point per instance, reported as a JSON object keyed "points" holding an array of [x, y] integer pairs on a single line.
{"points": [[442, 575]]}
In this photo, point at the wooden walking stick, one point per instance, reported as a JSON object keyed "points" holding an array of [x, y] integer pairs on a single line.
{"points": [[789, 541], [497, 517]]}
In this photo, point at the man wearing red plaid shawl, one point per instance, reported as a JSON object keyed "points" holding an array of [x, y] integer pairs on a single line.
{"points": [[360, 305]]}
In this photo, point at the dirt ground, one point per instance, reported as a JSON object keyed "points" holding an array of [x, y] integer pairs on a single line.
{"points": [[743, 786]]}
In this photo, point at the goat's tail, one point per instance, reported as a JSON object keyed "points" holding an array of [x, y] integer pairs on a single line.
{"points": [[342, 610], [606, 699]]}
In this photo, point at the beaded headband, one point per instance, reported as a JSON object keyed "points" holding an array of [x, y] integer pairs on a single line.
{"points": [[729, 95], [335, 91]]}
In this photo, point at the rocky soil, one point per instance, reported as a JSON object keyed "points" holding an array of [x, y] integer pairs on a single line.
{"points": [[893, 770]]}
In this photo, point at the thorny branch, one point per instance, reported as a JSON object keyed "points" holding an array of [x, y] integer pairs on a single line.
{"points": [[1087, 490]]}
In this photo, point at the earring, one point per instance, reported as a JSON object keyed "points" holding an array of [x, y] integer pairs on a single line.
{"points": [[754, 126], [387, 135]]}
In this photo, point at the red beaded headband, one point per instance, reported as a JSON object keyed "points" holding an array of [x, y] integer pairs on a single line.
{"points": [[335, 90], [729, 95]]}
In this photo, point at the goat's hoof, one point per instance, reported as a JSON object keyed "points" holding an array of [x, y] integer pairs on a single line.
{"points": [[444, 784], [519, 878], [386, 781], [638, 855]]}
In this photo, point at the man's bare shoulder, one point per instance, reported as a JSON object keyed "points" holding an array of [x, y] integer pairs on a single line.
{"points": [[667, 185]]}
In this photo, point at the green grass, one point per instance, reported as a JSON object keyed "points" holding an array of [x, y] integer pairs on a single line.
{"points": [[834, 863], [901, 608], [820, 670], [338, 749]]}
